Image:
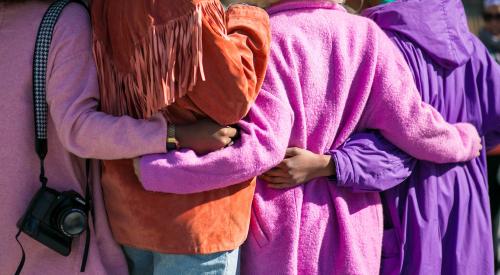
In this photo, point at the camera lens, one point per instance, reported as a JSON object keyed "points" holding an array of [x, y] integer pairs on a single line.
{"points": [[73, 222]]}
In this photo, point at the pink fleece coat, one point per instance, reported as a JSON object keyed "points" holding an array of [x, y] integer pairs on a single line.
{"points": [[330, 74]]}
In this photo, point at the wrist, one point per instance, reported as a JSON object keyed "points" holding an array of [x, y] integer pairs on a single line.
{"points": [[183, 134], [137, 169], [172, 142], [326, 166]]}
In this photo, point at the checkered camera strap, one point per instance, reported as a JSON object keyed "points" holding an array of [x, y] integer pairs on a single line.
{"points": [[40, 60]]}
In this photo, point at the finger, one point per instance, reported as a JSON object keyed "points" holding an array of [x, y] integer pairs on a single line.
{"points": [[262, 177], [229, 132], [274, 180], [226, 141], [277, 172], [283, 186], [268, 179], [284, 165], [292, 151], [229, 144]]}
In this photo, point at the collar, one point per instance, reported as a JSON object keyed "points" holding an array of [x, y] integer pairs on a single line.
{"points": [[300, 5]]}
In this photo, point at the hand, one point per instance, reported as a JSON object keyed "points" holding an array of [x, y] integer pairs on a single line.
{"points": [[204, 136], [480, 147], [298, 167], [137, 170]]}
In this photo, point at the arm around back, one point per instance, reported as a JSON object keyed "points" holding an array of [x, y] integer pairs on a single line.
{"points": [[396, 109], [368, 162], [265, 134], [73, 99], [264, 139]]}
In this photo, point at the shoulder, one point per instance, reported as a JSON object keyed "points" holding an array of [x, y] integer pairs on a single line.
{"points": [[75, 13], [72, 36], [73, 26], [482, 57], [334, 23]]}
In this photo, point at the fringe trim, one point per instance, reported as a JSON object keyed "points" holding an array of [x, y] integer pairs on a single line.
{"points": [[165, 64]]}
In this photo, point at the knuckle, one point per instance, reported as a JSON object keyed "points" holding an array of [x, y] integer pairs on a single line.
{"points": [[219, 142], [233, 132]]}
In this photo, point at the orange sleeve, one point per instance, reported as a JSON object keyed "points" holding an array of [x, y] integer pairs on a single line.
{"points": [[234, 63]]}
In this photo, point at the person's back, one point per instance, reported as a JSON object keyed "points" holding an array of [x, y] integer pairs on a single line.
{"points": [[324, 106], [75, 129], [191, 60], [442, 218], [340, 74], [19, 173], [316, 70]]}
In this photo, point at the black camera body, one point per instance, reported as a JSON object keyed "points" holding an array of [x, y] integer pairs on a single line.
{"points": [[54, 218]]}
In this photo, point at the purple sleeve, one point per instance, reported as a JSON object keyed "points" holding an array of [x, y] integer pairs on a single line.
{"points": [[488, 85], [368, 162]]}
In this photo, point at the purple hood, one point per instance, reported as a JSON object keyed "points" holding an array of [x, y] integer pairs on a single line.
{"points": [[439, 27]]}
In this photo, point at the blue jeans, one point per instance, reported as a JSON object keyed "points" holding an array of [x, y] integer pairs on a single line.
{"points": [[143, 262]]}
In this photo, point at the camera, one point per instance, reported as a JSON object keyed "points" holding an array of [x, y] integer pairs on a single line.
{"points": [[54, 218]]}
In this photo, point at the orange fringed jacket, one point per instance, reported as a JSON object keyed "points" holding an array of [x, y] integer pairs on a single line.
{"points": [[191, 60], [494, 152]]}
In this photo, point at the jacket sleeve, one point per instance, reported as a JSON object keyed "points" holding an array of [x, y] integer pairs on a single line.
{"points": [[265, 135], [368, 162], [488, 86], [396, 109], [73, 99], [258, 149], [234, 64]]}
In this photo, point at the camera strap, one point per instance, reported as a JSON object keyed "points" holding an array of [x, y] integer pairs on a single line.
{"points": [[40, 60], [88, 202]]}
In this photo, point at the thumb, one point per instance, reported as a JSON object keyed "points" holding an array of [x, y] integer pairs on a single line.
{"points": [[292, 152]]}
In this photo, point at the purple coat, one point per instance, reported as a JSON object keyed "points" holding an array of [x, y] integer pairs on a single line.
{"points": [[438, 220]]}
